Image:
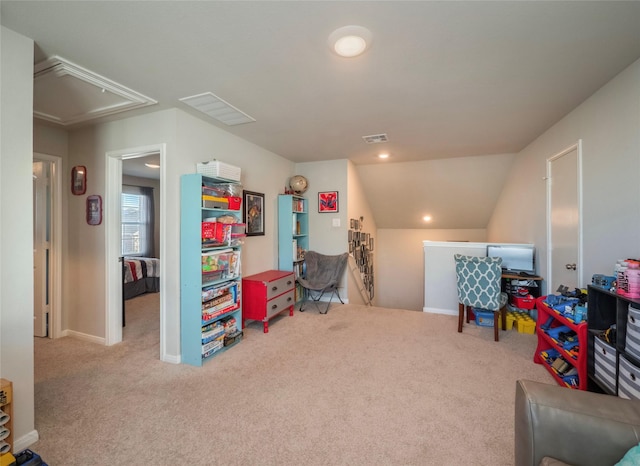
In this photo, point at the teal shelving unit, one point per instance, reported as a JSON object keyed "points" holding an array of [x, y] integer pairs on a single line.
{"points": [[202, 324], [293, 233]]}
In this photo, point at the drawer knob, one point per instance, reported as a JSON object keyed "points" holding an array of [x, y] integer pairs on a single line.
{"points": [[633, 377], [604, 351], [275, 306], [632, 319], [289, 298], [289, 282], [274, 288]]}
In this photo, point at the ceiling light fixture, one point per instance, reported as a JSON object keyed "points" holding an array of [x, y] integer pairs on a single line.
{"points": [[152, 165], [350, 41], [427, 218], [383, 156]]}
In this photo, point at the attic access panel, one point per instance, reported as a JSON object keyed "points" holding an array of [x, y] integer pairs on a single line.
{"points": [[65, 93]]}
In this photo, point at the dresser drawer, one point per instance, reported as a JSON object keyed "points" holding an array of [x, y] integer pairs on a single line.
{"points": [[279, 286], [280, 303]]}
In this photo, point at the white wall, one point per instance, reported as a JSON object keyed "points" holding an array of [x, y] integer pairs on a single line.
{"points": [[325, 238], [609, 125], [358, 206], [401, 263], [16, 226]]}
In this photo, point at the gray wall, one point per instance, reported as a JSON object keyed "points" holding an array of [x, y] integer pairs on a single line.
{"points": [[609, 125], [16, 227]]}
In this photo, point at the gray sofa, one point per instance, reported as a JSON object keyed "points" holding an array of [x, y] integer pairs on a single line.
{"points": [[561, 425]]}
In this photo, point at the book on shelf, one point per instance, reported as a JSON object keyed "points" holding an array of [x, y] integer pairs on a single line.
{"points": [[295, 249]]}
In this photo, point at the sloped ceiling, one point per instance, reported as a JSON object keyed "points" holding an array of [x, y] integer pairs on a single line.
{"points": [[444, 80]]}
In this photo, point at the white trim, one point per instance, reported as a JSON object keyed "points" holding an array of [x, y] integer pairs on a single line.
{"points": [[57, 67], [464, 244], [55, 309], [25, 441], [435, 310], [85, 337], [113, 285], [578, 148]]}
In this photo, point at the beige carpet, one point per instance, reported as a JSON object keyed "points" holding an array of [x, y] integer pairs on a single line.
{"points": [[358, 386]]}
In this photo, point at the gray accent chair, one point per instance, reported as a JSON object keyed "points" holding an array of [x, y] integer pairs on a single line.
{"points": [[322, 275], [561, 426]]}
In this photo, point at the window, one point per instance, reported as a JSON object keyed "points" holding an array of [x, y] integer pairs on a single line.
{"points": [[137, 221]]}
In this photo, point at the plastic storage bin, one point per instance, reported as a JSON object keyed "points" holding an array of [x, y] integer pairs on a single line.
{"points": [[604, 359], [483, 318], [523, 302]]}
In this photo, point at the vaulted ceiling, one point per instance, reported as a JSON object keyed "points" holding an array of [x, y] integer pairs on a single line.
{"points": [[443, 80]]}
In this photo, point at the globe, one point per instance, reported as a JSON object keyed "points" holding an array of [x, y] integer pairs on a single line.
{"points": [[298, 184]]}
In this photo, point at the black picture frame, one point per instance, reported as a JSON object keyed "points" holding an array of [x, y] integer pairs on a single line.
{"points": [[253, 204]]}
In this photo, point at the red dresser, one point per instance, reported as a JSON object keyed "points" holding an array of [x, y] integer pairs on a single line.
{"points": [[267, 294]]}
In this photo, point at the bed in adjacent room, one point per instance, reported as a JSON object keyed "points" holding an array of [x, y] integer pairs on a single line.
{"points": [[140, 275]]}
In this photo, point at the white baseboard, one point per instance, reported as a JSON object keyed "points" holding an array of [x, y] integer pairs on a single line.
{"points": [[435, 310], [25, 441], [171, 358], [85, 337]]}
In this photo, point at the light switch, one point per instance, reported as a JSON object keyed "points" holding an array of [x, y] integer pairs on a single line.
{"points": [[336, 222]]}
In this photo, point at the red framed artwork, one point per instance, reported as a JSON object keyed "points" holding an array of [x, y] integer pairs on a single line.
{"points": [[328, 201]]}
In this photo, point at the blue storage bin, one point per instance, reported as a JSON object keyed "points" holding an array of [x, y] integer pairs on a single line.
{"points": [[484, 318]]}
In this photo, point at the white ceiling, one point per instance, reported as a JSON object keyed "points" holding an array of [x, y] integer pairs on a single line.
{"points": [[442, 79]]}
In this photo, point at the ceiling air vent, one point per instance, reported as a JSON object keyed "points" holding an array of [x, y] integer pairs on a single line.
{"points": [[375, 138], [217, 108]]}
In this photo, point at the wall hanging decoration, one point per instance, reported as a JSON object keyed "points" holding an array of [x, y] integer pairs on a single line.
{"points": [[361, 248], [94, 210], [79, 180], [254, 213], [328, 201]]}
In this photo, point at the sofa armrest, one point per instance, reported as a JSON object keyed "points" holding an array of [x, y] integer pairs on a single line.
{"points": [[573, 426]]}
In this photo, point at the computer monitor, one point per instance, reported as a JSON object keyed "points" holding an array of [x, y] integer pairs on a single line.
{"points": [[515, 257]]}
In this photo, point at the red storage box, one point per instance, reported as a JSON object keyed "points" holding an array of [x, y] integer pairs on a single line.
{"points": [[523, 302], [234, 202], [216, 233]]}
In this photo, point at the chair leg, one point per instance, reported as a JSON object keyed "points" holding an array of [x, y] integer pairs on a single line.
{"points": [[496, 318], [461, 309], [503, 314]]}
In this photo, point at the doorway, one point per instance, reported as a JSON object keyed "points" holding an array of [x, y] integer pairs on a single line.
{"points": [[47, 245], [564, 218], [140, 215], [113, 195]]}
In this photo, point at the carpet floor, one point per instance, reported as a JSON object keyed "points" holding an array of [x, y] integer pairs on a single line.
{"points": [[357, 386]]}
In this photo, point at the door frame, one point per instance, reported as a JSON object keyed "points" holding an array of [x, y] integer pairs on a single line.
{"points": [[578, 148], [113, 272], [55, 244]]}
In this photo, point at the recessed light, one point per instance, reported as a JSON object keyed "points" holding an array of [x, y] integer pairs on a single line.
{"points": [[152, 165], [383, 156], [350, 41], [427, 218]]}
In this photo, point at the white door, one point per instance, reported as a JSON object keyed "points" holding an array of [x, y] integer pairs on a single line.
{"points": [[564, 219], [41, 247]]}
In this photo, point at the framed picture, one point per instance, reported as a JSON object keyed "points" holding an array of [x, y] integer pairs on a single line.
{"points": [[94, 210], [254, 213], [328, 201], [79, 180]]}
